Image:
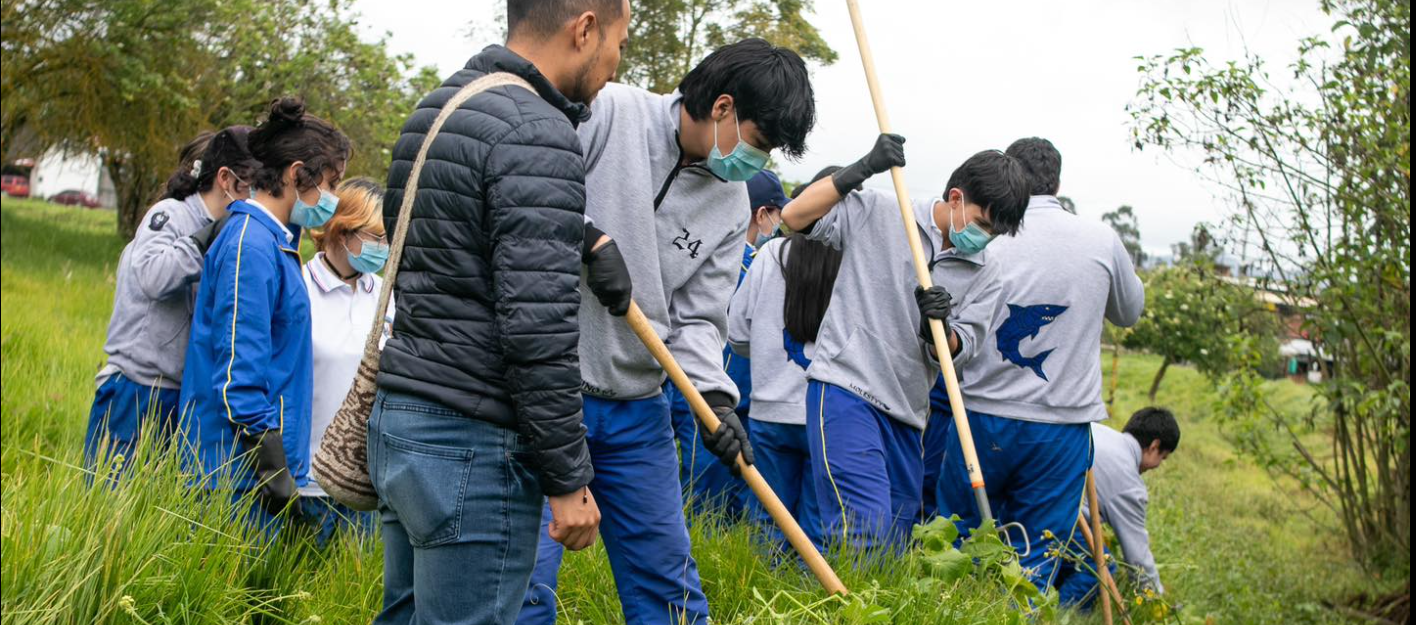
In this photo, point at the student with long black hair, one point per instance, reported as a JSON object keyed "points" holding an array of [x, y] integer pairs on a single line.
{"points": [[246, 390], [152, 302], [774, 319]]}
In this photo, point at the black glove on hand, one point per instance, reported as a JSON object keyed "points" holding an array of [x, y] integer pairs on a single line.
{"points": [[731, 437], [606, 274], [889, 151], [275, 487], [204, 237], [934, 303]]}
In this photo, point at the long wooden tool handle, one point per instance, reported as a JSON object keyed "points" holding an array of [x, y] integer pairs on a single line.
{"points": [[1104, 574], [783, 517], [921, 265], [1098, 549]]}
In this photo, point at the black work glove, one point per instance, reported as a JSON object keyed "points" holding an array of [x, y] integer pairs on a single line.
{"points": [[275, 488], [606, 274], [731, 437], [204, 237], [889, 151], [934, 303]]}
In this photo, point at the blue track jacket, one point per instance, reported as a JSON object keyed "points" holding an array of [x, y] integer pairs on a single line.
{"points": [[249, 360]]}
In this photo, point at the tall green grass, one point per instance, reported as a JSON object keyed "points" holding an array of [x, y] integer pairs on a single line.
{"points": [[1232, 544]]}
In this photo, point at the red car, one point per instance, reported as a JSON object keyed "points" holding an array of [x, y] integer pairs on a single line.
{"points": [[74, 197], [15, 186]]}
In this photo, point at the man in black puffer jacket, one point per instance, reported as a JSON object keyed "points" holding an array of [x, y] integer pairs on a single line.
{"points": [[479, 411]]}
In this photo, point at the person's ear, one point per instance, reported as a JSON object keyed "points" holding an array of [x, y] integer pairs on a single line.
{"points": [[292, 175], [582, 28], [721, 107], [956, 196]]}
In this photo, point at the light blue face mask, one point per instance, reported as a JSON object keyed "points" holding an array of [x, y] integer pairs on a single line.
{"points": [[742, 164], [971, 240], [371, 257], [763, 238], [307, 216]]}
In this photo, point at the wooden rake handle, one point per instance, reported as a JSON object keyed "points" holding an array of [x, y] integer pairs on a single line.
{"points": [[783, 517]]}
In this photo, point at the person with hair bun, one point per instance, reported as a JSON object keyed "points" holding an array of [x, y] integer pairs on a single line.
{"points": [[246, 390], [344, 291], [152, 303]]}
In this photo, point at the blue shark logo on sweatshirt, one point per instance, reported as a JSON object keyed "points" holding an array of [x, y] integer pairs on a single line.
{"points": [[796, 352], [1024, 322]]}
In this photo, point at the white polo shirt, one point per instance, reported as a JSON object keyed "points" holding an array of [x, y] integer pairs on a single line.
{"points": [[340, 316]]}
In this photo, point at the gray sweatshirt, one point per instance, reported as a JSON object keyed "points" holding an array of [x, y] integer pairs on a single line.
{"points": [[755, 318], [869, 342], [1123, 497], [152, 303], [680, 229], [1061, 275]]}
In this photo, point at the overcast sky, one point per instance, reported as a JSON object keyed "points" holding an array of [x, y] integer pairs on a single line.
{"points": [[959, 77]]}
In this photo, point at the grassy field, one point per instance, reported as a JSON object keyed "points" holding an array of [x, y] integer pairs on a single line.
{"points": [[1233, 546]]}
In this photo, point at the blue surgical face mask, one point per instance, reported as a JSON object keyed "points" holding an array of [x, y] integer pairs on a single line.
{"points": [[371, 257], [308, 216], [742, 164], [971, 240], [763, 238]]}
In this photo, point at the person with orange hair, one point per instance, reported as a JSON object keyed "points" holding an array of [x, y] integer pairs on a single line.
{"points": [[344, 294]]}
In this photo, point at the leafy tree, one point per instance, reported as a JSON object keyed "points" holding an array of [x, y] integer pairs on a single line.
{"points": [[1123, 221], [1068, 204], [1190, 314], [1319, 168], [133, 80]]}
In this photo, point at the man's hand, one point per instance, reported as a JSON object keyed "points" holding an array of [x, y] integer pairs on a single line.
{"points": [[275, 488], [889, 151], [934, 303], [605, 272], [731, 437], [575, 519]]}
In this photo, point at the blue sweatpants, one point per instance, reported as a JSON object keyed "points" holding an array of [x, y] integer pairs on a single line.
{"points": [[708, 485], [641, 519], [867, 468], [936, 434], [1035, 475], [1077, 585], [121, 409], [784, 460]]}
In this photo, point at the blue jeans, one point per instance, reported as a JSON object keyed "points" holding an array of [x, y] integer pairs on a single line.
{"points": [[641, 519], [121, 409], [867, 469], [1034, 473], [460, 507], [708, 485], [784, 460]]}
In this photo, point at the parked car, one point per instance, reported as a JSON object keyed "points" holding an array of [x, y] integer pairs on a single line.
{"points": [[74, 197], [15, 185]]}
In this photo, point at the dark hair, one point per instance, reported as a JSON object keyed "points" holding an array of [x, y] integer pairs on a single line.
{"points": [[228, 149], [769, 86], [1154, 424], [181, 182], [544, 17], [810, 274], [1042, 162], [996, 182], [289, 134]]}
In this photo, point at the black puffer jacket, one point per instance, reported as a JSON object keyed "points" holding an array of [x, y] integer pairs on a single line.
{"points": [[488, 288]]}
